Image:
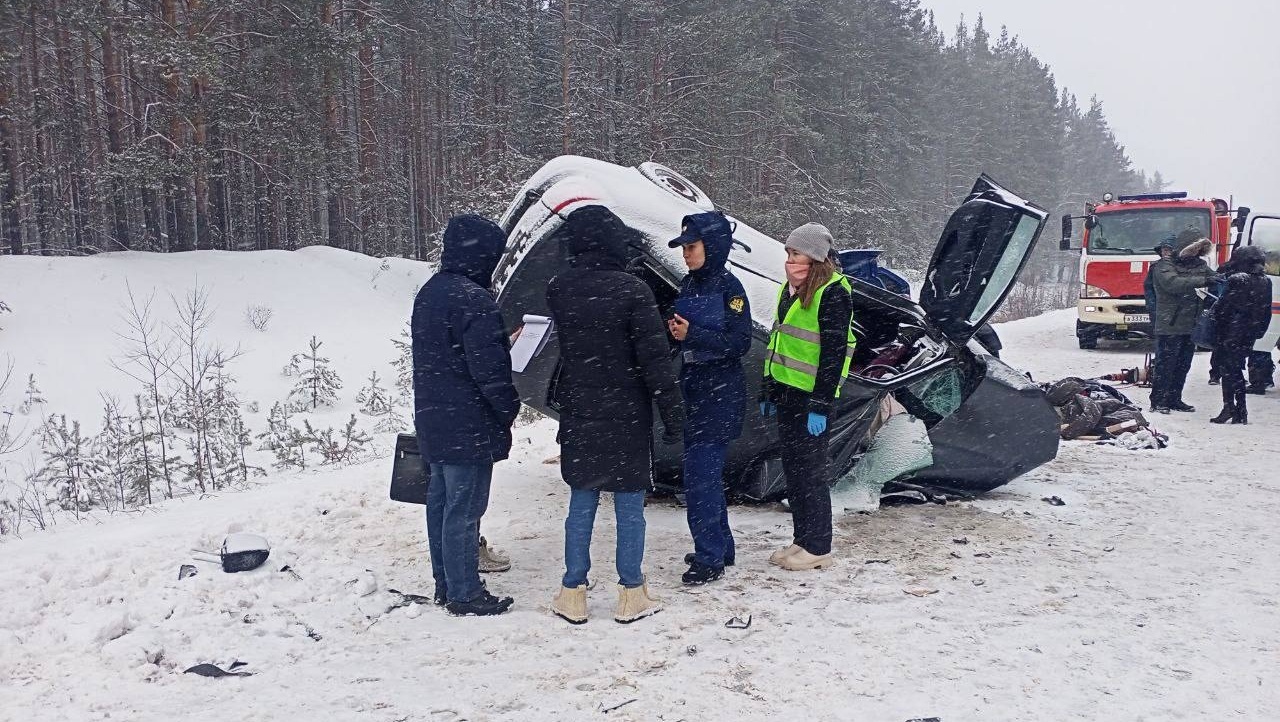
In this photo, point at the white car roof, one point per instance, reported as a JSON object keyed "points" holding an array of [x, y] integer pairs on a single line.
{"points": [[653, 199]]}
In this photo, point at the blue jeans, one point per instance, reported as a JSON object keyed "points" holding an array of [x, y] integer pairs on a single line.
{"points": [[628, 508], [705, 506], [456, 499]]}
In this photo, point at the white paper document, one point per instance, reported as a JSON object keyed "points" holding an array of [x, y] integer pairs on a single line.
{"points": [[531, 339]]}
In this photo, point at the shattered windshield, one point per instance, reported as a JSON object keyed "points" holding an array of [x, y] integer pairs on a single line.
{"points": [[1137, 232]]}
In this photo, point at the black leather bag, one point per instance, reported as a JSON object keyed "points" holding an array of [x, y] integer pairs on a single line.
{"points": [[409, 476]]}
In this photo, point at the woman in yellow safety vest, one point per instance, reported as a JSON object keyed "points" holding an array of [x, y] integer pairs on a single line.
{"points": [[805, 365]]}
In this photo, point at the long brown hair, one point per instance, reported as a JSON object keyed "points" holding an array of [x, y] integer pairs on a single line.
{"points": [[819, 273]]}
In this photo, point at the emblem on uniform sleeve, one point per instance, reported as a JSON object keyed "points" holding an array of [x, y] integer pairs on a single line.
{"points": [[737, 303]]}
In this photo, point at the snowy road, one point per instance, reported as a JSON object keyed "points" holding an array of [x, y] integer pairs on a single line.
{"points": [[1151, 595]]}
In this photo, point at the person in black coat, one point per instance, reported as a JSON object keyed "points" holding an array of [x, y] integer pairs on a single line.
{"points": [[464, 406], [614, 365], [713, 325], [1241, 317]]}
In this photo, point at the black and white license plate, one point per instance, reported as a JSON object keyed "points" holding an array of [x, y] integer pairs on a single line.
{"points": [[1137, 318]]}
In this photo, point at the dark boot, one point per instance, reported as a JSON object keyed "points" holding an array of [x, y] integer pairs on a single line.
{"points": [[483, 605], [1228, 406], [688, 559], [1241, 415], [700, 574]]}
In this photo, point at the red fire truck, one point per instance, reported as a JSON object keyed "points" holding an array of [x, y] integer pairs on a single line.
{"points": [[1119, 240]]}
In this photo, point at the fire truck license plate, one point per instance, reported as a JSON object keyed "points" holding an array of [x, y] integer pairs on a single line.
{"points": [[1137, 318]]}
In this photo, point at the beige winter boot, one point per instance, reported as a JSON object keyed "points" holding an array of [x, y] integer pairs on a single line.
{"points": [[570, 604], [803, 560], [492, 560], [635, 604], [781, 555]]}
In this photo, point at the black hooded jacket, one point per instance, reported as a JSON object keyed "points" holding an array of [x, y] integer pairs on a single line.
{"points": [[464, 400], [1243, 313], [614, 361]]}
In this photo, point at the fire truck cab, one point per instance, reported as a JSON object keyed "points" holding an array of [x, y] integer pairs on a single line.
{"points": [[1262, 229], [1118, 247]]}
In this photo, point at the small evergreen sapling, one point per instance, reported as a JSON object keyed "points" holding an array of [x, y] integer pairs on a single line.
{"points": [[318, 383], [285, 441], [403, 365], [373, 398], [32, 397], [336, 447]]}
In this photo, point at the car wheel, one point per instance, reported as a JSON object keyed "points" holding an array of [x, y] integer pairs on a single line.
{"points": [[1088, 342]]}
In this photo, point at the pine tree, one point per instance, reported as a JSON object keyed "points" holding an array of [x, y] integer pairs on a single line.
{"points": [[69, 469], [337, 447], [148, 461], [373, 398], [226, 430], [403, 364], [32, 397], [318, 383], [114, 452], [285, 441]]}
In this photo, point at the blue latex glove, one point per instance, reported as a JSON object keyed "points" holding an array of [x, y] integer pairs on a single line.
{"points": [[768, 408], [817, 424]]}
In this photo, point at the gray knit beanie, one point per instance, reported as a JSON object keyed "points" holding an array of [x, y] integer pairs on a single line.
{"points": [[811, 239]]}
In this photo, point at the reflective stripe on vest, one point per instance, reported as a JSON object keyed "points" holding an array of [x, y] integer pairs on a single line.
{"points": [[795, 343]]}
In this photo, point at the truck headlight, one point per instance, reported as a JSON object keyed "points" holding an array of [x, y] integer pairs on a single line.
{"points": [[1094, 292]]}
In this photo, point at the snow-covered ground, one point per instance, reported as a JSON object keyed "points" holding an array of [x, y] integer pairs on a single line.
{"points": [[1151, 595]]}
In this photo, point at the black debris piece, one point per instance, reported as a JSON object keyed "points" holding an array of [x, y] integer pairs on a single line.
{"points": [[607, 710], [286, 569], [186, 570], [960, 540], [213, 670], [1054, 501], [738, 623]]}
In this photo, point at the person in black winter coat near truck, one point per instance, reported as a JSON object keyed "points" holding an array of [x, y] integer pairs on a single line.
{"points": [[614, 366], [1241, 317]]}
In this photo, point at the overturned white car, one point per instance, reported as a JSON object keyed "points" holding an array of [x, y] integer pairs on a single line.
{"points": [[987, 422]]}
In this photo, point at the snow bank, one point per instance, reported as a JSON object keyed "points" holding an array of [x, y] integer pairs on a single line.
{"points": [[68, 314]]}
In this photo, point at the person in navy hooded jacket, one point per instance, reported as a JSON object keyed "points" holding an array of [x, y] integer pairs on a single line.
{"points": [[464, 406], [712, 322]]}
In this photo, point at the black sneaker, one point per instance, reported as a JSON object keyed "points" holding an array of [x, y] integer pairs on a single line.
{"points": [[701, 574], [1183, 407], [484, 605], [688, 559], [1213, 381], [1256, 390], [1161, 409]]}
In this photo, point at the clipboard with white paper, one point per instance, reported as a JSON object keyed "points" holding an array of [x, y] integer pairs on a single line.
{"points": [[530, 340]]}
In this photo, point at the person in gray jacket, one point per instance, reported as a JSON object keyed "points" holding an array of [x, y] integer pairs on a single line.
{"points": [[1178, 306]]}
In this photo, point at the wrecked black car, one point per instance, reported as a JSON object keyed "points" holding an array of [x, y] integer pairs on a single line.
{"points": [[987, 423]]}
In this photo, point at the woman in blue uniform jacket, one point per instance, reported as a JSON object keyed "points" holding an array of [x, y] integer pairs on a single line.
{"points": [[712, 322]]}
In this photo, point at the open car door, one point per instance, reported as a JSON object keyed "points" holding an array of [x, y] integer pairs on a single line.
{"points": [[1264, 232], [984, 246]]}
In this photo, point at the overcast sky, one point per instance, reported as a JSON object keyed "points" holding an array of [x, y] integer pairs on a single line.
{"points": [[1190, 88]]}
